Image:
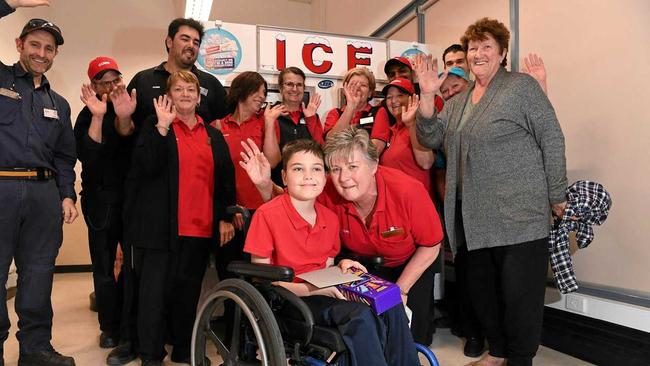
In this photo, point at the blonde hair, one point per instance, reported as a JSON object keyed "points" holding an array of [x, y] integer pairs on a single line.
{"points": [[366, 73], [183, 75], [341, 144]]}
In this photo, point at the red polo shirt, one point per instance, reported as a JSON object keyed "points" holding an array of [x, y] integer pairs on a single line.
{"points": [[399, 155], [404, 215], [234, 133], [279, 232], [195, 179], [380, 129]]}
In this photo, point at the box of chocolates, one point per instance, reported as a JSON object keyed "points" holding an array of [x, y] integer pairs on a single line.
{"points": [[376, 292]]}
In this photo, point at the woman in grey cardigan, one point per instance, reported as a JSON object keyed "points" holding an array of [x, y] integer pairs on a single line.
{"points": [[505, 174]]}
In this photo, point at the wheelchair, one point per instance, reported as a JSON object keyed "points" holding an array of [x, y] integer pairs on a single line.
{"points": [[271, 326]]}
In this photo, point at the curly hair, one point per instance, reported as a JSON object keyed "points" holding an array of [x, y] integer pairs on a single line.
{"points": [[484, 27]]}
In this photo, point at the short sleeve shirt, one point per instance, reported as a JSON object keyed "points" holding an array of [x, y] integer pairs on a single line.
{"points": [[399, 155], [234, 133], [279, 232], [195, 180], [404, 218], [381, 123]]}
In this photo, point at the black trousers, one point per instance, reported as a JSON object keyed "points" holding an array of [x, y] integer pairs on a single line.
{"points": [[419, 300], [370, 339], [466, 317], [128, 324], [103, 238], [31, 233], [169, 285], [507, 286]]}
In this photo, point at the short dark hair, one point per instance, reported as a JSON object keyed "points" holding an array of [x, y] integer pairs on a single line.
{"points": [[242, 86], [177, 23], [301, 145], [290, 70], [453, 48]]}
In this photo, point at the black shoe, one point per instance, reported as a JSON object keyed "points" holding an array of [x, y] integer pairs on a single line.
{"points": [[108, 340], [474, 347], [151, 363], [121, 355], [45, 358], [188, 360]]}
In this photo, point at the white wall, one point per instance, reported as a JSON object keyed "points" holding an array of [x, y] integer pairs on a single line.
{"points": [[597, 53]]}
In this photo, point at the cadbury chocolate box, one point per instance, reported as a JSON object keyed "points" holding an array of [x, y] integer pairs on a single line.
{"points": [[371, 290]]}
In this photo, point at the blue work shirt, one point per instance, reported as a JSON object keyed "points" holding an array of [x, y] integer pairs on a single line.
{"points": [[29, 139]]}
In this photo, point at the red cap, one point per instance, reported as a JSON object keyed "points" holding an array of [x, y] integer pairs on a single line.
{"points": [[397, 61], [400, 83], [98, 66]]}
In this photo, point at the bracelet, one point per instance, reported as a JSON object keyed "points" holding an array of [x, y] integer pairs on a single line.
{"points": [[161, 126], [403, 292]]}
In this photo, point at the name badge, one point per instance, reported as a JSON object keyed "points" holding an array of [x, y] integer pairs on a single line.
{"points": [[366, 120], [204, 91], [50, 113], [9, 93], [302, 121], [392, 231]]}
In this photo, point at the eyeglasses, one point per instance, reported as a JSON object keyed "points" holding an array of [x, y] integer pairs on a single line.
{"points": [[109, 83], [292, 85]]}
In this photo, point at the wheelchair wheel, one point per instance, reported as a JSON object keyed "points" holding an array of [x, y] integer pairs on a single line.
{"points": [[256, 311], [428, 354]]}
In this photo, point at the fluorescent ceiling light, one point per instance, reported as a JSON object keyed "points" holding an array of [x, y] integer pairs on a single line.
{"points": [[198, 9]]}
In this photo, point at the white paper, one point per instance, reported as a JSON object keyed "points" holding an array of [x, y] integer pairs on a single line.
{"points": [[328, 277]]}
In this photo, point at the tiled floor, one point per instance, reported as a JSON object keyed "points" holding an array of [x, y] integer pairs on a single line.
{"points": [[76, 331]]}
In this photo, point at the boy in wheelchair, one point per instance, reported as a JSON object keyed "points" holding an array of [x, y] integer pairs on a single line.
{"points": [[294, 230]]}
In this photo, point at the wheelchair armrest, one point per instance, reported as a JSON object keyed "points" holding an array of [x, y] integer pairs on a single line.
{"points": [[259, 270], [245, 213], [231, 210]]}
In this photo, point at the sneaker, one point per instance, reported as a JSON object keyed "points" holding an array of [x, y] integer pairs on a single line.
{"points": [[45, 358], [121, 355]]}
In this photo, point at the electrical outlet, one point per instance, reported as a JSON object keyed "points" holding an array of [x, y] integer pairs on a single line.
{"points": [[576, 303]]}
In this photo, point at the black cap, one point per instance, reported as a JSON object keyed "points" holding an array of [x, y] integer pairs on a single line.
{"points": [[42, 24]]}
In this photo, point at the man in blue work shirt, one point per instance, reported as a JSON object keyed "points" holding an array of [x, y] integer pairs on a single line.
{"points": [[37, 157]]}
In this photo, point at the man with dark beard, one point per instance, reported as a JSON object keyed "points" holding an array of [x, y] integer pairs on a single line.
{"points": [[182, 42]]}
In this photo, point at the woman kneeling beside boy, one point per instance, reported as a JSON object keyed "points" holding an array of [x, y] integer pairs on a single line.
{"points": [[294, 230]]}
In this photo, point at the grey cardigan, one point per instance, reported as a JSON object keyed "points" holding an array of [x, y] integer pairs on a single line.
{"points": [[512, 150]]}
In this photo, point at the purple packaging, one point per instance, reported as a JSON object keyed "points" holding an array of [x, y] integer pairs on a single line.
{"points": [[371, 290]]}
